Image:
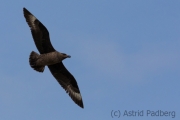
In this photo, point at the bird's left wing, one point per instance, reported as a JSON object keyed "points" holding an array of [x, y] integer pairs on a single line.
{"points": [[67, 81]]}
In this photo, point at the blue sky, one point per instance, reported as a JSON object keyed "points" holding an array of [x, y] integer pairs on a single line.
{"points": [[125, 56]]}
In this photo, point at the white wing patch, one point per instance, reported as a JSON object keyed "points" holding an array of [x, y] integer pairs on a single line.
{"points": [[73, 93], [31, 20]]}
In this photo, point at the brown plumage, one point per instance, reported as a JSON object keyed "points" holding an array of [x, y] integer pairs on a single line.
{"points": [[50, 57]]}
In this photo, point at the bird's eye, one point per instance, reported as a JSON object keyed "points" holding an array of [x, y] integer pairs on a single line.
{"points": [[63, 53]]}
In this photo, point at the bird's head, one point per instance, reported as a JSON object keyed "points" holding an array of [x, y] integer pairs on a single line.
{"points": [[65, 55]]}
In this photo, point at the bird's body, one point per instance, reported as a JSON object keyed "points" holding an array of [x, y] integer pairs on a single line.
{"points": [[38, 62], [50, 57]]}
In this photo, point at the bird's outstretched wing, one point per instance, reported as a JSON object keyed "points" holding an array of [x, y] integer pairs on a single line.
{"points": [[39, 32], [67, 81], [63, 76]]}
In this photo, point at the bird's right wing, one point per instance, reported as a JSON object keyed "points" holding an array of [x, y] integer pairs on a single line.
{"points": [[39, 32]]}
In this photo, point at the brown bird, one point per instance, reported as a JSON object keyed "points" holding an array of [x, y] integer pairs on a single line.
{"points": [[50, 57]]}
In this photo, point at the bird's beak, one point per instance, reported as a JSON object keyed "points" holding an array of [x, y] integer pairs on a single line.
{"points": [[68, 56]]}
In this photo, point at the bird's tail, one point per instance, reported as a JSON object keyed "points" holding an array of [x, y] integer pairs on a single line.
{"points": [[32, 61]]}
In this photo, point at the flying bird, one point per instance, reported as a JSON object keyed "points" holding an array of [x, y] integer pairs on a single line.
{"points": [[50, 57]]}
